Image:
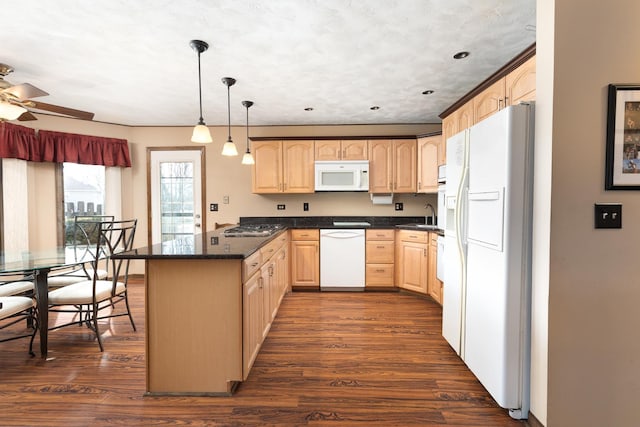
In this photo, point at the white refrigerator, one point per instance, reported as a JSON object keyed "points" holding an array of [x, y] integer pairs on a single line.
{"points": [[487, 266]]}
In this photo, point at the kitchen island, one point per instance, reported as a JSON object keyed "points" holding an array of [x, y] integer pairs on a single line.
{"points": [[197, 319]]}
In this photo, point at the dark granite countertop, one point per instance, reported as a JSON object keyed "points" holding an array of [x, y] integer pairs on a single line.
{"points": [[211, 245], [215, 245], [328, 221]]}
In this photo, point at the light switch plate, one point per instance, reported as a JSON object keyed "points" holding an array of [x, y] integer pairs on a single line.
{"points": [[608, 215]]}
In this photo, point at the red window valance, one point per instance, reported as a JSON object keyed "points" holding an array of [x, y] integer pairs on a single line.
{"points": [[20, 142]]}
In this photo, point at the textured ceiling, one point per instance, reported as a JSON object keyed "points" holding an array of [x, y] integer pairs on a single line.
{"points": [[130, 62]]}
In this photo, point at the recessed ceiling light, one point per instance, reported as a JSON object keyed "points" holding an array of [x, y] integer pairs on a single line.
{"points": [[308, 109], [427, 92], [375, 107], [461, 55]]}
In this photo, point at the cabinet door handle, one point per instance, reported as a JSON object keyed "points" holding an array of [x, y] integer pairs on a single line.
{"points": [[425, 252], [506, 101]]}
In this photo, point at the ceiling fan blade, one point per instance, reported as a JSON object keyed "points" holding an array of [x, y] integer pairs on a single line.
{"points": [[25, 91], [25, 117], [84, 115]]}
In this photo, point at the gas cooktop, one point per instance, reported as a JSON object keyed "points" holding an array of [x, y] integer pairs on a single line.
{"points": [[253, 230]]}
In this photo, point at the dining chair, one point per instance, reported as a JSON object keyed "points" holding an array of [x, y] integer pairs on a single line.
{"points": [[17, 304], [99, 298], [16, 284], [83, 233]]}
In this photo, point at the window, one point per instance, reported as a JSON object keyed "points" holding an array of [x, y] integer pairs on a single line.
{"points": [[84, 193]]}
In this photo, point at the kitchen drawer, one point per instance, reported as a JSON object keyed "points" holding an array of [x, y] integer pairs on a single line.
{"points": [[250, 265], [305, 234], [413, 236], [271, 248], [380, 251], [380, 234], [379, 275]]}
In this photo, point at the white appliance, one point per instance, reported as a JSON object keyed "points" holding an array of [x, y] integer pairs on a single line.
{"points": [[487, 292], [342, 175], [442, 217], [440, 259], [342, 261]]}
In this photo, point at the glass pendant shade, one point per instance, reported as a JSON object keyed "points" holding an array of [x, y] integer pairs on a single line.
{"points": [[10, 111], [201, 134], [247, 159], [229, 149]]}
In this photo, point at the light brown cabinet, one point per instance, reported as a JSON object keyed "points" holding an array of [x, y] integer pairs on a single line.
{"points": [[412, 260], [252, 322], [512, 88], [434, 285], [341, 150], [520, 84], [380, 257], [305, 259], [283, 167], [392, 166], [517, 86], [428, 160], [264, 286]]}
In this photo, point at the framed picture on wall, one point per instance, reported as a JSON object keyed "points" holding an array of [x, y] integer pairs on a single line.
{"points": [[622, 169]]}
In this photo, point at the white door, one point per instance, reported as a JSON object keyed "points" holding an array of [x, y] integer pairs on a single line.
{"points": [[176, 183]]}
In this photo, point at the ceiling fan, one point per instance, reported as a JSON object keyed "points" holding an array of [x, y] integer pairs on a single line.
{"points": [[16, 103]]}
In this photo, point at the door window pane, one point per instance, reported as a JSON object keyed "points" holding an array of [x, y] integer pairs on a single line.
{"points": [[176, 200]]}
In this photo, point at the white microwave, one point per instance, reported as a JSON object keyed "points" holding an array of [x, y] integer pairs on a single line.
{"points": [[342, 175]]}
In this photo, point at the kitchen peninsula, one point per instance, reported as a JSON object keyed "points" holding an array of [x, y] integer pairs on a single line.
{"points": [[210, 301]]}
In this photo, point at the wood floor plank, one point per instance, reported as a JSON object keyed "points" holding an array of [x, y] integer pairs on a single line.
{"points": [[331, 359]]}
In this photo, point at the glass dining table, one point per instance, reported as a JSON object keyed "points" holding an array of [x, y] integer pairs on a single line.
{"points": [[41, 263]]}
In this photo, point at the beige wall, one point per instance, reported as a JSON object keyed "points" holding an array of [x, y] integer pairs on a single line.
{"points": [[594, 290]]}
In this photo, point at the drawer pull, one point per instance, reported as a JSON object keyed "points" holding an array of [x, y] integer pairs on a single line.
{"points": [[380, 270], [380, 247], [254, 264]]}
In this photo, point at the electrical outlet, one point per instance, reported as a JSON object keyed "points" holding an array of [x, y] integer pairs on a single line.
{"points": [[608, 215], [213, 207], [305, 206], [225, 200], [399, 206], [281, 207], [214, 240]]}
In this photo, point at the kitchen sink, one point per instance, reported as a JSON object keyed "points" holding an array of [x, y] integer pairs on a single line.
{"points": [[424, 226]]}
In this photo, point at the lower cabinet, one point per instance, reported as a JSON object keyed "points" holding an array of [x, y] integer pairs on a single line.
{"points": [[265, 282], [305, 258], [253, 321], [413, 257], [379, 271], [434, 284]]}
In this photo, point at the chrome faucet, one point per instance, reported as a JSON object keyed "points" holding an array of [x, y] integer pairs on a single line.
{"points": [[433, 214]]}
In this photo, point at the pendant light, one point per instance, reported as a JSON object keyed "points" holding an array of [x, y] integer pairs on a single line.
{"points": [[229, 148], [200, 131], [247, 159]]}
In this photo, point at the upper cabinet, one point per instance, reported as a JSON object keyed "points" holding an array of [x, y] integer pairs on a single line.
{"points": [[283, 167], [512, 84], [392, 166], [520, 84], [428, 160], [341, 149], [517, 86]]}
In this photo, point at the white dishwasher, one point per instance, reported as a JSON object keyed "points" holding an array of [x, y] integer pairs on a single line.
{"points": [[342, 261]]}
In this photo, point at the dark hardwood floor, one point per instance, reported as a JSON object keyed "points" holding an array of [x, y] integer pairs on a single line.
{"points": [[362, 359]]}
